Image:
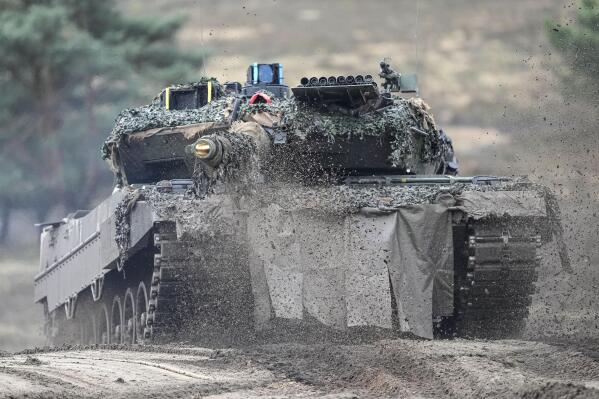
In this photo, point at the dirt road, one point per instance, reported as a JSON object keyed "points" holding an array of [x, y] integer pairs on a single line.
{"points": [[388, 368]]}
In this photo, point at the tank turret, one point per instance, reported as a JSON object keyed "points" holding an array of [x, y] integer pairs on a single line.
{"points": [[338, 129]]}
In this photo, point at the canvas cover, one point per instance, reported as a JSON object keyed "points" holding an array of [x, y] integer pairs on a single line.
{"points": [[341, 269], [480, 204], [189, 132]]}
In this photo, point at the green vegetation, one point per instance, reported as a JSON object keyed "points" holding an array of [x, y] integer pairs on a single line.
{"points": [[579, 45], [67, 68]]}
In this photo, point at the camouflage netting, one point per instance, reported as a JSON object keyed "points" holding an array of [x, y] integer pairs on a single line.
{"points": [[302, 121], [154, 115], [329, 199], [239, 166], [122, 215], [350, 199], [215, 85]]}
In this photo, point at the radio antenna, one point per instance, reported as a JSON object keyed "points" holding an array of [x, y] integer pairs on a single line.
{"points": [[203, 55], [417, 43]]}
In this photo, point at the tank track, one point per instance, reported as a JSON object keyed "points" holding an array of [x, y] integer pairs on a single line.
{"points": [[497, 282], [200, 289], [167, 268]]}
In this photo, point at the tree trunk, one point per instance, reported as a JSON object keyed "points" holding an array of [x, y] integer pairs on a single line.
{"points": [[92, 172], [49, 121], [5, 215]]}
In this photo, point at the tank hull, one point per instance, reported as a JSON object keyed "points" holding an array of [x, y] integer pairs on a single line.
{"points": [[233, 266]]}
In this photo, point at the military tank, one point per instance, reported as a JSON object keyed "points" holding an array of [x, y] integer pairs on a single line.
{"points": [[333, 206]]}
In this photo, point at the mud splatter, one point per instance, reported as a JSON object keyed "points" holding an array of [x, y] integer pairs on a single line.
{"points": [[387, 368]]}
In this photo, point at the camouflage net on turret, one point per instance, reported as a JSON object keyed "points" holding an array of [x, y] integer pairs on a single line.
{"points": [[302, 121], [305, 121], [238, 168], [154, 115]]}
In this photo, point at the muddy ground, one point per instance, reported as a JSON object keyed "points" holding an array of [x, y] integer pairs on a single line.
{"points": [[400, 367], [504, 46]]}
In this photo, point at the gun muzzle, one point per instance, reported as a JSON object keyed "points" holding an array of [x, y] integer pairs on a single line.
{"points": [[350, 80], [313, 81], [368, 78], [208, 150], [340, 80], [332, 81], [359, 79], [322, 81], [304, 81]]}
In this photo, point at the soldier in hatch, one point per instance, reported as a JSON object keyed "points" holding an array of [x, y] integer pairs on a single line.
{"points": [[391, 77]]}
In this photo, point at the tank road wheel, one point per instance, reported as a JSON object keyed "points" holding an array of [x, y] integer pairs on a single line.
{"points": [[129, 318], [103, 332], [116, 321], [141, 307]]}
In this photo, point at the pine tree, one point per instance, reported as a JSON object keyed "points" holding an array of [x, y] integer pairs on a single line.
{"points": [[67, 68]]}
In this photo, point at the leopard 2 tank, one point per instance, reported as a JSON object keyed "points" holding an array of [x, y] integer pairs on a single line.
{"points": [[241, 210]]}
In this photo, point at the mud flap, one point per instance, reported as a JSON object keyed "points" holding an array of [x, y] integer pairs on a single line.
{"points": [[422, 267], [336, 268]]}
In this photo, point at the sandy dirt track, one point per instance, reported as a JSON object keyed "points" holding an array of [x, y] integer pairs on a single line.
{"points": [[388, 368]]}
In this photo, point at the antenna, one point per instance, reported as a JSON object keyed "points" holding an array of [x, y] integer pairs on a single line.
{"points": [[202, 41], [417, 43]]}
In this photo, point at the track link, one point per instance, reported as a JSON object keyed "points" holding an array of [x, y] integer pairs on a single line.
{"points": [[162, 303], [496, 286]]}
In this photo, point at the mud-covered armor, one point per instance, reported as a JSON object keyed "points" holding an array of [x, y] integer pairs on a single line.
{"points": [[238, 210]]}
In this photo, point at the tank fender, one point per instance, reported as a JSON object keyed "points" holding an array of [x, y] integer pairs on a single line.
{"points": [[80, 251]]}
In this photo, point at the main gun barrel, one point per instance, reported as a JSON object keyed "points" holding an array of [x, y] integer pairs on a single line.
{"points": [[210, 149], [240, 141]]}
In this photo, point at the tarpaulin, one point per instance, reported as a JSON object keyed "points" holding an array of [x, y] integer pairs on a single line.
{"points": [[266, 119], [480, 204], [189, 132], [339, 268]]}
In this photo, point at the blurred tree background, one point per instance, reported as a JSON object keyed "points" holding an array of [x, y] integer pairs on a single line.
{"points": [[67, 68], [578, 43]]}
